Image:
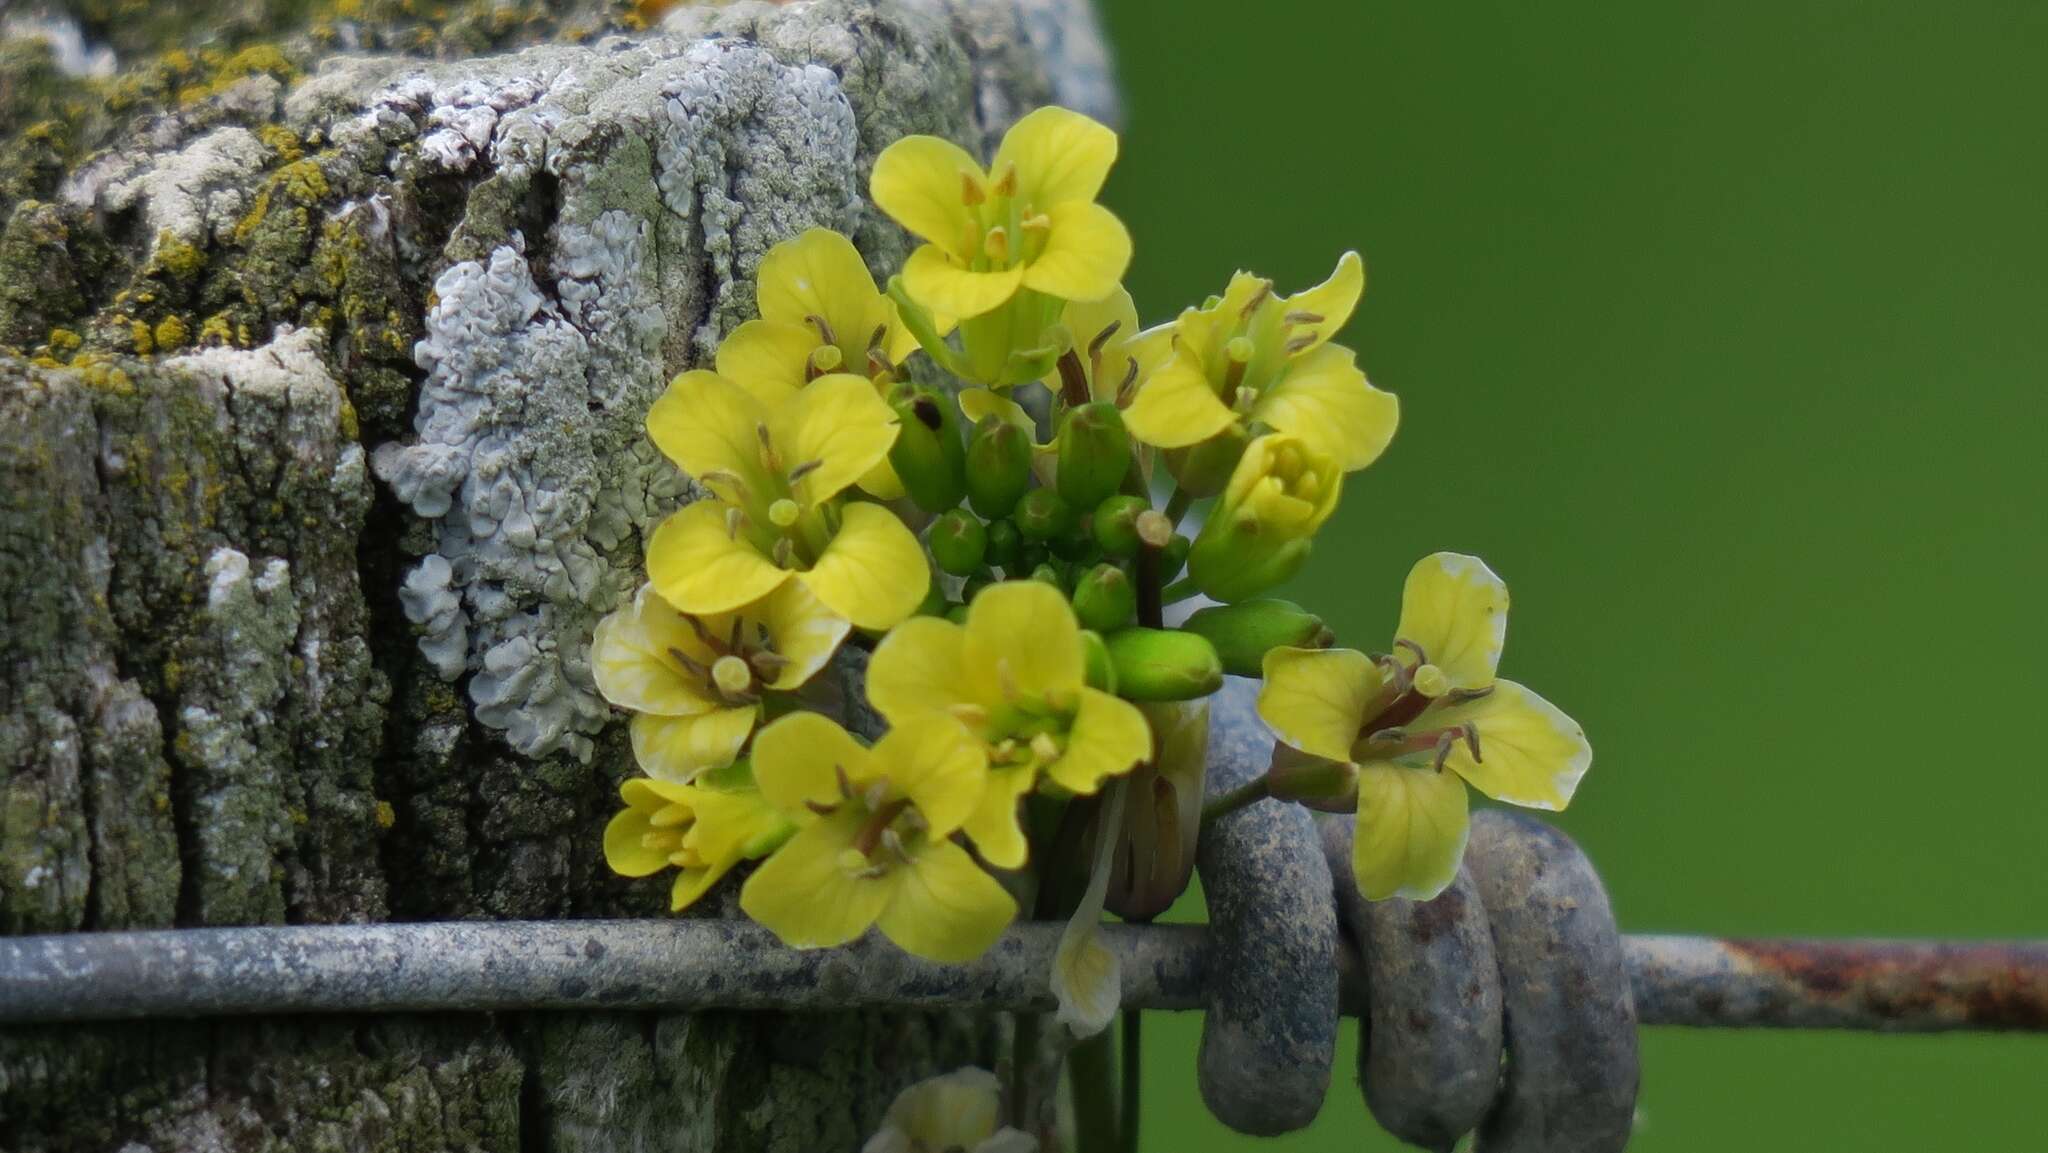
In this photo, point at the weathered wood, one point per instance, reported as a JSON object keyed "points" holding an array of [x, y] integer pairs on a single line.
{"points": [[320, 453]]}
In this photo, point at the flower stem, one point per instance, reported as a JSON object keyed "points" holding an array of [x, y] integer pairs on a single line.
{"points": [[1178, 504], [1235, 799], [1133, 1052], [1178, 591], [1091, 1076]]}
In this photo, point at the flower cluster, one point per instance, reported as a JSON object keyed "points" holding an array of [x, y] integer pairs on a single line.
{"points": [[987, 473]]}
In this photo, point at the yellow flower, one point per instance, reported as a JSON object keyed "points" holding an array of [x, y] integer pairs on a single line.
{"points": [[1103, 342], [876, 845], [1435, 705], [1260, 532], [1028, 222], [957, 1112], [1253, 360], [695, 683], [820, 314], [703, 829], [1016, 676], [775, 458]]}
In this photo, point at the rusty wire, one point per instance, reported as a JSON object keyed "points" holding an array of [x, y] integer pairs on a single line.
{"points": [[1888, 986]]}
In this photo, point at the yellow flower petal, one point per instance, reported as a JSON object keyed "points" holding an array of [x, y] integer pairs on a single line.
{"points": [[1086, 253], [623, 850], [767, 353], [1334, 299], [873, 572], [734, 824], [679, 748], [840, 421], [881, 481], [699, 569], [1059, 154], [976, 403], [1530, 752], [631, 662], [994, 826], [957, 1110], [936, 281], [932, 760], [1412, 824], [706, 424], [920, 667], [650, 795], [1456, 610], [820, 273], [1022, 638], [1177, 406], [798, 758], [1316, 699], [806, 896], [1108, 738], [1324, 399], [918, 182], [804, 632], [692, 884], [945, 908]]}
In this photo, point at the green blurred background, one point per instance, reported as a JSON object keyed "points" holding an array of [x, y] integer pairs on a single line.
{"points": [[1719, 332]]}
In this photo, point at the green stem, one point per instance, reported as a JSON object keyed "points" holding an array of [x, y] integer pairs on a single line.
{"points": [[1235, 799], [1178, 591], [1178, 504], [1024, 1051], [1133, 1052], [1091, 1075]]}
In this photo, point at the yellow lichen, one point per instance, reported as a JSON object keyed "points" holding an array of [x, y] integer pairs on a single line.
{"points": [[215, 330], [282, 141], [177, 257], [386, 815], [170, 334], [145, 340], [63, 340]]}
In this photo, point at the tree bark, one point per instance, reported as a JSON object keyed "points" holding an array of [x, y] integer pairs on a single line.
{"points": [[322, 373]]}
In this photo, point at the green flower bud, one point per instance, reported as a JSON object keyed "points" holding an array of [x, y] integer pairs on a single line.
{"points": [[1005, 545], [1115, 525], [1243, 632], [1203, 469], [1094, 454], [1105, 598], [1052, 573], [1043, 516], [934, 603], [1163, 665], [1260, 532], [1031, 555], [1174, 557], [958, 542], [975, 584], [998, 467], [928, 456], [1101, 673], [957, 614]]}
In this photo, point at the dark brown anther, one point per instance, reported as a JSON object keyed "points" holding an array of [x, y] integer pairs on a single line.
{"points": [[704, 635], [1472, 740], [1445, 742], [820, 807], [1073, 380], [879, 366], [824, 328], [1126, 389], [1301, 343], [878, 338], [1102, 338], [805, 469], [768, 665], [845, 785], [1259, 297], [692, 667], [1303, 316], [870, 834]]}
